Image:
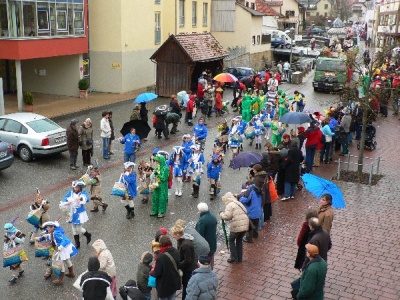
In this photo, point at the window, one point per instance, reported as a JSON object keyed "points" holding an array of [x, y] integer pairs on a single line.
{"points": [[308, 14], [326, 6], [253, 40], [157, 1], [205, 14], [247, 4], [253, 6], [157, 31], [258, 39], [12, 126], [181, 13], [289, 13], [194, 13], [265, 39]]}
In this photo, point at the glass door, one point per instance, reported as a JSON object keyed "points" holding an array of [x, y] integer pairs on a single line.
{"points": [[7, 72]]}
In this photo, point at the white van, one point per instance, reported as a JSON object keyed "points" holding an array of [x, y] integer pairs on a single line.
{"points": [[280, 39]]}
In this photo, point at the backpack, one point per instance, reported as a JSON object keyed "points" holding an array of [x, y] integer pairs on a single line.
{"points": [[154, 120], [301, 102]]}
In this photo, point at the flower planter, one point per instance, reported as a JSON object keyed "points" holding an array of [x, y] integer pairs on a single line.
{"points": [[29, 107], [83, 94]]}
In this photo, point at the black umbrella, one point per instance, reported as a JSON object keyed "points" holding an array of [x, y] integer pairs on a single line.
{"points": [[142, 128], [162, 110]]}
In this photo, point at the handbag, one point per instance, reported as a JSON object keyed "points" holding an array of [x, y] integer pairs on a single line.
{"points": [[273, 194], [119, 189], [86, 179], [143, 189], [179, 271], [34, 217], [151, 282], [56, 264], [13, 254], [251, 224], [43, 248], [89, 142]]}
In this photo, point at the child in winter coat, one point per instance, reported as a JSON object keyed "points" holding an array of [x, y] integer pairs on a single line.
{"points": [[142, 275], [43, 206], [95, 188], [214, 169]]}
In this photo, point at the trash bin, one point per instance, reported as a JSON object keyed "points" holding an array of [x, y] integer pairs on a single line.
{"points": [[296, 77]]}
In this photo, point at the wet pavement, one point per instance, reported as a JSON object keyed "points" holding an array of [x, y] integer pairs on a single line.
{"points": [[363, 262]]}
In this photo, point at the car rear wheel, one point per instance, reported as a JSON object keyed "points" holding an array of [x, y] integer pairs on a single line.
{"points": [[288, 46], [25, 153]]}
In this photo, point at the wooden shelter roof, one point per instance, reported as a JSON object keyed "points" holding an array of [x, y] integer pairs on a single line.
{"points": [[199, 47]]}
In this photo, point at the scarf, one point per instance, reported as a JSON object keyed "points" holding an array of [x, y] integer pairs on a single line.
{"points": [[164, 248], [323, 208]]}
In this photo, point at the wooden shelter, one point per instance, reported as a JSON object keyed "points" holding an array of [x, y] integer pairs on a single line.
{"points": [[181, 60]]}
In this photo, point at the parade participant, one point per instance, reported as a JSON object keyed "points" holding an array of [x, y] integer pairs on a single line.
{"points": [[95, 188], [282, 105], [65, 249], [223, 137], [273, 83], [76, 200], [200, 133], [266, 119], [209, 97], [276, 131], [13, 238], [187, 144], [261, 100], [129, 179], [258, 132], [234, 137], [300, 100], [145, 170], [43, 206], [246, 107], [160, 192], [178, 161], [132, 144], [214, 169], [272, 95], [85, 133], [107, 264], [196, 162]]}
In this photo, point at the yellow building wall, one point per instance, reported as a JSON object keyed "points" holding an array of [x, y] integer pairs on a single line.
{"points": [[188, 26]]}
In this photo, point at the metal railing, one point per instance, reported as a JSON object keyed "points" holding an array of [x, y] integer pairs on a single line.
{"points": [[375, 164]]}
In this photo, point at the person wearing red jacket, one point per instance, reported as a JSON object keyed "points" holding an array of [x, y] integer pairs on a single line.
{"points": [[200, 92], [278, 77], [395, 94], [258, 84], [189, 109], [313, 135]]}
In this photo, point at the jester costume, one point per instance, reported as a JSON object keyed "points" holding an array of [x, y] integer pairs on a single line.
{"points": [[276, 136], [282, 105], [160, 193]]}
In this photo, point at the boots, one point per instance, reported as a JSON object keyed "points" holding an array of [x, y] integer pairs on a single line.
{"points": [[71, 272], [88, 237], [132, 209], [188, 179], [256, 146], [105, 205], [32, 238], [59, 280], [95, 209], [128, 212], [13, 280], [21, 274], [48, 273], [77, 242], [195, 191]]}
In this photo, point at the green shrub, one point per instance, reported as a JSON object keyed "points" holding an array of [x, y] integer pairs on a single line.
{"points": [[83, 84], [28, 98]]}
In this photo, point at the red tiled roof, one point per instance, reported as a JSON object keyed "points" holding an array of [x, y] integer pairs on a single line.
{"points": [[274, 3], [263, 7], [201, 46]]}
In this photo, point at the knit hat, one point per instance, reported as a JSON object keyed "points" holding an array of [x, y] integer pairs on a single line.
{"points": [[146, 258], [204, 260], [300, 129], [9, 227], [73, 121], [312, 250], [93, 264], [161, 231]]}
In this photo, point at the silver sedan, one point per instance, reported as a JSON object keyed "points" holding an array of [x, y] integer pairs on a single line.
{"points": [[32, 135]]}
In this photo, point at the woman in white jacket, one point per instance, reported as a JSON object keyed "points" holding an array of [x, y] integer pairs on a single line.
{"points": [[105, 133], [236, 213]]}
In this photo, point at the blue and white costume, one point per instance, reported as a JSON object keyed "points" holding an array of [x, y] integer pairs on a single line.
{"points": [[235, 139], [128, 178], [196, 161], [179, 162], [75, 201]]}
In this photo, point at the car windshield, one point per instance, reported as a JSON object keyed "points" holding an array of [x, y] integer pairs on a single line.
{"points": [[331, 65], [43, 125]]}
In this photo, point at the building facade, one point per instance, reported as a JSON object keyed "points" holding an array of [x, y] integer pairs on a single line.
{"points": [[42, 45]]}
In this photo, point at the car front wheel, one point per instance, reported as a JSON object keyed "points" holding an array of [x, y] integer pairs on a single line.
{"points": [[25, 153]]}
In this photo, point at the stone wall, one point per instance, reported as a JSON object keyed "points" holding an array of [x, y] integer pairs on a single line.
{"points": [[254, 60]]}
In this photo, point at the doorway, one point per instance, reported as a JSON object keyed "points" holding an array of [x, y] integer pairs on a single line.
{"points": [[7, 72]]}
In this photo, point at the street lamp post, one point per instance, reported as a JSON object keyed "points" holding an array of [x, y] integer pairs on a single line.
{"points": [[291, 46]]}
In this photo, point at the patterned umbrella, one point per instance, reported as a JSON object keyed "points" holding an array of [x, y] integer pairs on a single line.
{"points": [[225, 77]]}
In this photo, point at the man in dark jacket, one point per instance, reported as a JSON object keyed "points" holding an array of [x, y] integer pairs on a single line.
{"points": [[292, 170], [174, 104], [188, 260], [320, 238], [168, 280], [207, 227], [73, 143], [161, 127], [131, 290], [204, 282], [142, 274], [94, 283]]}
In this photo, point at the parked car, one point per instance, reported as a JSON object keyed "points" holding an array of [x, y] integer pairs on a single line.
{"points": [[6, 155], [317, 31], [32, 135], [240, 72]]}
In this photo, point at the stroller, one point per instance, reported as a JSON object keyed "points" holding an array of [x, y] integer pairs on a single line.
{"points": [[370, 141]]}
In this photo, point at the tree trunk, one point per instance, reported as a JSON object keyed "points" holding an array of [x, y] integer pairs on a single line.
{"points": [[362, 140]]}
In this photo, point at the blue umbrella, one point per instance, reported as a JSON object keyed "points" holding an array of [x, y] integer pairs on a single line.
{"points": [[145, 97], [294, 117], [245, 159], [319, 186]]}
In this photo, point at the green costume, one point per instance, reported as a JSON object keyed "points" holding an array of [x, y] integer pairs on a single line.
{"points": [[282, 107], [257, 105], [160, 194], [275, 137], [365, 84], [246, 108]]}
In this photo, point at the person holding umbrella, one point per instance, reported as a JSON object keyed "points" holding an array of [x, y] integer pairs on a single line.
{"points": [[132, 144], [236, 213]]}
